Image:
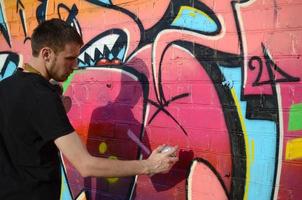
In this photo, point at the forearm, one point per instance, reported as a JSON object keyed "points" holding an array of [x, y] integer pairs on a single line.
{"points": [[74, 150], [103, 167]]}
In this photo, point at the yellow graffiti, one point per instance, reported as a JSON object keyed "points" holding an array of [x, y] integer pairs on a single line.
{"points": [[249, 156], [294, 149], [112, 180], [193, 13], [252, 151], [82, 196], [102, 147]]}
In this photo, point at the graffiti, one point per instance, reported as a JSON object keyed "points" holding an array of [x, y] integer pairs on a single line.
{"points": [[101, 2], [161, 108], [3, 24], [8, 64], [293, 149], [71, 18], [41, 11], [201, 172], [270, 65], [105, 49], [206, 76], [295, 117], [20, 10]]}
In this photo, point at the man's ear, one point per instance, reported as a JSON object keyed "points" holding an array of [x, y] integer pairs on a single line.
{"points": [[46, 53]]}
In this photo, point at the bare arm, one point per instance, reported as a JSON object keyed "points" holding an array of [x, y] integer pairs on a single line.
{"points": [[74, 150]]}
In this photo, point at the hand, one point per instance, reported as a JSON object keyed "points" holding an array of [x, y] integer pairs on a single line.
{"points": [[161, 162]]}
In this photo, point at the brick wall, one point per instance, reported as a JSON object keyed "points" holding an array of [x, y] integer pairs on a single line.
{"points": [[220, 79]]}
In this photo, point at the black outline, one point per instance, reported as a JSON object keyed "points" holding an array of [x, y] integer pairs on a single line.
{"points": [[14, 57], [20, 9], [71, 19], [82, 191], [65, 174], [121, 40], [270, 65], [230, 112], [3, 28], [259, 104], [144, 82], [41, 11], [172, 12], [208, 164], [161, 107]]}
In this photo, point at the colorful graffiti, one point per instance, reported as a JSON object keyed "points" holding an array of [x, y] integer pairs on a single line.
{"points": [[221, 79]]}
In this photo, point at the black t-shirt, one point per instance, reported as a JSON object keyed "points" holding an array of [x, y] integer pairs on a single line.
{"points": [[32, 116]]}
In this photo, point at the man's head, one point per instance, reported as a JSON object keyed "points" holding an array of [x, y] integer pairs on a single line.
{"points": [[55, 34], [56, 44]]}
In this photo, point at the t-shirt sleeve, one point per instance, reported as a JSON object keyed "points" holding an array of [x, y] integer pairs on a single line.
{"points": [[48, 115]]}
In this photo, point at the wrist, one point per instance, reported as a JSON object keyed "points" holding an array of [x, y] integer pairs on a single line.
{"points": [[146, 169]]}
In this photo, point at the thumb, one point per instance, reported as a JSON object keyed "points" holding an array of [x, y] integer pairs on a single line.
{"points": [[159, 148]]}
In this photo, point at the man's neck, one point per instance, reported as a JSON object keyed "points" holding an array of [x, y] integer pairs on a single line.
{"points": [[39, 67]]}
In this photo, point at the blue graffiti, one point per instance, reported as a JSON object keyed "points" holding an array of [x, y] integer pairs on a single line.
{"points": [[10, 69], [65, 191], [8, 64], [121, 53], [194, 19], [100, 2], [262, 135]]}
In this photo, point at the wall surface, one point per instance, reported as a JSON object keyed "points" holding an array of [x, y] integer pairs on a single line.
{"points": [[220, 79]]}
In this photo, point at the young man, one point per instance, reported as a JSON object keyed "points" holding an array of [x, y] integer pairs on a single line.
{"points": [[34, 124]]}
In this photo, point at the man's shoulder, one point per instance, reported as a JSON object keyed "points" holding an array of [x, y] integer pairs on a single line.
{"points": [[13, 80], [8, 80], [19, 84]]}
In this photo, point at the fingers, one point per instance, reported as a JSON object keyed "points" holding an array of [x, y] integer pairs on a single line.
{"points": [[170, 164], [159, 148], [173, 159], [171, 151], [162, 159]]}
